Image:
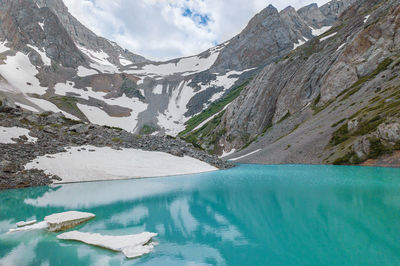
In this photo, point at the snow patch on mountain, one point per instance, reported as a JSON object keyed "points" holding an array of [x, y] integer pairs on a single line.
{"points": [[100, 117], [41, 24], [9, 133], [100, 60], [20, 73], [300, 43], [158, 89], [3, 46], [123, 61], [327, 37], [46, 60], [84, 72], [173, 118], [317, 32], [185, 66]]}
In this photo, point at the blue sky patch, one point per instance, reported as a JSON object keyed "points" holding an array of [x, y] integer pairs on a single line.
{"points": [[199, 19]]}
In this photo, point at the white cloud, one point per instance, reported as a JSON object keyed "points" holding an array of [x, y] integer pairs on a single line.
{"points": [[157, 29]]}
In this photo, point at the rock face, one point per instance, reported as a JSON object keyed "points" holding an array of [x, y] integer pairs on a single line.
{"points": [[297, 108], [66, 67], [66, 220], [132, 246], [85, 37]]}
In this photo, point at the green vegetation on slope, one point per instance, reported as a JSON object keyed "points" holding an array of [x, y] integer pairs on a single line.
{"points": [[68, 104], [213, 109], [206, 132], [357, 85]]}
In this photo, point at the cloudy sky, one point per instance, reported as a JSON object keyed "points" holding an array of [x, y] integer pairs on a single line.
{"points": [[165, 29]]}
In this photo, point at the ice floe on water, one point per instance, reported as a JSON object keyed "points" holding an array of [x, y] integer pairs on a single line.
{"points": [[89, 163], [55, 222], [132, 246], [36, 226], [65, 220], [7, 134], [23, 223]]}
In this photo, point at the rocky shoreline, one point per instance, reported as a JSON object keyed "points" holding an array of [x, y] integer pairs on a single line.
{"points": [[55, 133]]}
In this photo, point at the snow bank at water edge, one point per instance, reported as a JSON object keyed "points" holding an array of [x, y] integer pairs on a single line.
{"points": [[9, 133], [132, 246], [89, 163]]}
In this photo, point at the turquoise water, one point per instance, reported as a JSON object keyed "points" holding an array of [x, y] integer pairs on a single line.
{"points": [[250, 215]]}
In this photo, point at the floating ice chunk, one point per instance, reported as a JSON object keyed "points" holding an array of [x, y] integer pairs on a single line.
{"points": [[132, 246], [37, 226], [56, 222], [23, 223], [66, 220]]}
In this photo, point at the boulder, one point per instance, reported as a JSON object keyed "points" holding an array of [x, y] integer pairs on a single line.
{"points": [[32, 119], [9, 167], [362, 147], [80, 128], [55, 118], [389, 132], [352, 125], [50, 129]]}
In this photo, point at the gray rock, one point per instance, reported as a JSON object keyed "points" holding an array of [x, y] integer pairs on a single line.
{"points": [[353, 124], [55, 118], [9, 167], [32, 118], [362, 147], [50, 129], [80, 128], [389, 132]]}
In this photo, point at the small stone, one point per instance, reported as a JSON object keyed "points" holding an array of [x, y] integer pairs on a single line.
{"points": [[9, 167]]}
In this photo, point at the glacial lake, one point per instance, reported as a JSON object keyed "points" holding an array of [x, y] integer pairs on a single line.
{"points": [[249, 215]]}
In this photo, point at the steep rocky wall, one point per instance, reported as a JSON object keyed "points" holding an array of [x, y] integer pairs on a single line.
{"points": [[314, 74]]}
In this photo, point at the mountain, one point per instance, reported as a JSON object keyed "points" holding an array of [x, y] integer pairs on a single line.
{"points": [[334, 99], [50, 61]]}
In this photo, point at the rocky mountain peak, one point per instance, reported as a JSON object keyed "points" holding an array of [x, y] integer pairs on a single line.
{"points": [[288, 9], [84, 37], [313, 16]]}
